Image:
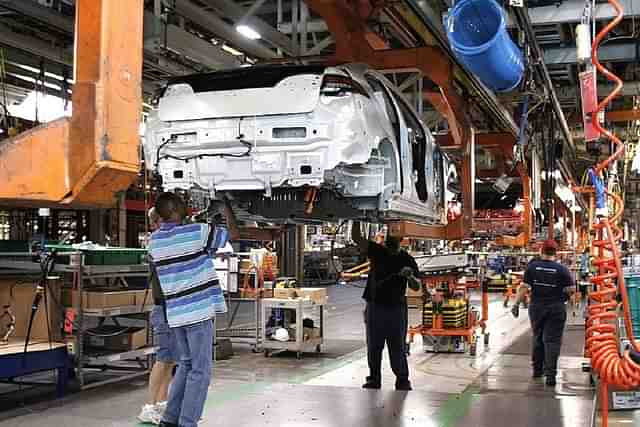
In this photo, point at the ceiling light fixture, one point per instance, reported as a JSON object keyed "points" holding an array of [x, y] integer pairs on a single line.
{"points": [[231, 50], [248, 32]]}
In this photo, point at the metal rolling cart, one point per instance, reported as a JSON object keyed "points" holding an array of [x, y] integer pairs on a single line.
{"points": [[300, 345], [117, 365], [244, 334], [447, 326], [132, 363]]}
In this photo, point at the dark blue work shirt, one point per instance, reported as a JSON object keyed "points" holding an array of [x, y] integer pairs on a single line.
{"points": [[384, 284], [547, 280]]}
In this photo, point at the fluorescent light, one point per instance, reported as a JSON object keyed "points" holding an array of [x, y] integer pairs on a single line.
{"points": [[248, 32], [32, 80], [231, 50]]}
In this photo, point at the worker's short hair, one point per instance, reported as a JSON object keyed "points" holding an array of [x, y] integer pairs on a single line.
{"points": [[170, 204]]}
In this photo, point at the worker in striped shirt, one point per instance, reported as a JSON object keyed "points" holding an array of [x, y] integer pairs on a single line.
{"points": [[181, 256]]}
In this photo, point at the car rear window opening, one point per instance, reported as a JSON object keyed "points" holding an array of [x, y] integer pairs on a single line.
{"points": [[245, 78]]}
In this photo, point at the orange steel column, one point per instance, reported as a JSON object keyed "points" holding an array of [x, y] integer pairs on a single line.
{"points": [[88, 158]]}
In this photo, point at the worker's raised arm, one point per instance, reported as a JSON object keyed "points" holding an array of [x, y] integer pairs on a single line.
{"points": [[356, 236], [234, 231]]}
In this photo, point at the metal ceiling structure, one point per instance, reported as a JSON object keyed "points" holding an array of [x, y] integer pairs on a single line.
{"points": [[188, 36]]}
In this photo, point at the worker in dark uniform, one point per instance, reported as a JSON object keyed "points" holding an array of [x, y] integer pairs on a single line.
{"points": [[551, 284], [386, 315]]}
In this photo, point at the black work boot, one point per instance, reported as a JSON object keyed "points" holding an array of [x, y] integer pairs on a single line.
{"points": [[403, 385], [551, 381], [166, 424], [371, 383]]}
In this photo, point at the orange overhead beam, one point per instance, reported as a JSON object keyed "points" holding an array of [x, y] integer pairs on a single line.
{"points": [[485, 140], [622, 115], [88, 158]]}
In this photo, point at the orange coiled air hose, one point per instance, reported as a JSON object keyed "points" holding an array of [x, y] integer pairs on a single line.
{"points": [[602, 344]]}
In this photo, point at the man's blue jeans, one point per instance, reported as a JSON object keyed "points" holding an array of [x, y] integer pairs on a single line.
{"points": [[189, 387]]}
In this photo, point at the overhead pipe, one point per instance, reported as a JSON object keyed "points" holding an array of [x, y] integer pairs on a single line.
{"points": [[478, 35], [501, 114]]}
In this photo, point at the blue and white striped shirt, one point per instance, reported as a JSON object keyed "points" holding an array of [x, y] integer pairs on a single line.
{"points": [[181, 255]]}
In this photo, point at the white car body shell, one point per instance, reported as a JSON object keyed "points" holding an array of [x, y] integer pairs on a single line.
{"points": [[324, 141]]}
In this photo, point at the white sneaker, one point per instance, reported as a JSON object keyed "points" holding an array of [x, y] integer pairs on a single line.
{"points": [[149, 415], [161, 407]]}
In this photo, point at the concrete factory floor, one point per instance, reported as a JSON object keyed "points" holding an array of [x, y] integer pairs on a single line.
{"points": [[492, 389]]}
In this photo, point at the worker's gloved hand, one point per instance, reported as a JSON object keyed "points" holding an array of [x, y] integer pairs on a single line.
{"points": [[515, 310], [406, 272]]}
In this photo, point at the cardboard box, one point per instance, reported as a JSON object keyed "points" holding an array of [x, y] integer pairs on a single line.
{"points": [[143, 297], [311, 333], [105, 298], [251, 293], [20, 293], [285, 293], [133, 339], [317, 295]]}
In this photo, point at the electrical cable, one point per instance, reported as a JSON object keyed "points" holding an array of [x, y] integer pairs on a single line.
{"points": [[239, 138], [47, 265]]}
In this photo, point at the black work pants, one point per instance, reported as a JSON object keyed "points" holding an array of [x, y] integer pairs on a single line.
{"points": [[547, 324], [387, 324]]}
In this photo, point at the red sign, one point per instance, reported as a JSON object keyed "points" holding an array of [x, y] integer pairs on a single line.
{"points": [[589, 94], [69, 317]]}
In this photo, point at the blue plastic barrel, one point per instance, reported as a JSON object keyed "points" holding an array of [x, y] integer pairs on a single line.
{"points": [[478, 35]]}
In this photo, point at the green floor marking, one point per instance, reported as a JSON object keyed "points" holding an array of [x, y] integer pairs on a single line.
{"points": [[455, 408], [216, 398]]}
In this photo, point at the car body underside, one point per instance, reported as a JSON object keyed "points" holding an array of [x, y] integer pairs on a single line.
{"points": [[298, 144]]}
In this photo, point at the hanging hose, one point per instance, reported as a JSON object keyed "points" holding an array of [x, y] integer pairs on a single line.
{"points": [[602, 346]]}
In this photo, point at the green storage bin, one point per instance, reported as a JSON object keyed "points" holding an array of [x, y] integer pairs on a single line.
{"points": [[18, 245], [14, 246], [633, 292], [120, 256]]}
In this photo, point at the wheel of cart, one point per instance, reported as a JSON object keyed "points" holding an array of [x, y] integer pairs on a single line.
{"points": [[486, 338], [267, 353], [299, 355], [318, 348]]}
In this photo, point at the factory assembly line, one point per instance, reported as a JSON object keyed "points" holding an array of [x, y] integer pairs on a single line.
{"points": [[220, 212]]}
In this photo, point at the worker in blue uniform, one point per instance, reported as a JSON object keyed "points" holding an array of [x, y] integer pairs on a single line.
{"points": [[550, 283], [386, 316]]}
